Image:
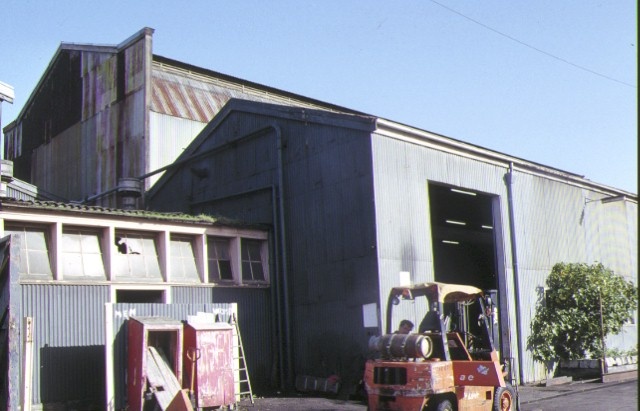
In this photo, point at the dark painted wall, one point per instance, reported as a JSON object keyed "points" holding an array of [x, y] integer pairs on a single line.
{"points": [[329, 224], [57, 108]]}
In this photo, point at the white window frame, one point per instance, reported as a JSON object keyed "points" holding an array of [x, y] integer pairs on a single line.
{"points": [[180, 238], [69, 229]]}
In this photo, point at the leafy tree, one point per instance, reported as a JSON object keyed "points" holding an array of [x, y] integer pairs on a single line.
{"points": [[567, 326]]}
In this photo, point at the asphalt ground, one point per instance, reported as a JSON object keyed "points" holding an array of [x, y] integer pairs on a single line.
{"points": [[532, 398]]}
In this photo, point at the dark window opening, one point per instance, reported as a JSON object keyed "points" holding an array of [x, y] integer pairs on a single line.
{"points": [[252, 266], [219, 259]]}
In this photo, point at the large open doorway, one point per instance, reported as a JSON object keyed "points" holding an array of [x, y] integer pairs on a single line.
{"points": [[464, 249], [464, 241]]}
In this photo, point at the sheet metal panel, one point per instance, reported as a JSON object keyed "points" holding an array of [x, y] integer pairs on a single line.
{"points": [[532, 291], [199, 98], [402, 172], [328, 219], [612, 235], [109, 142], [65, 153], [171, 135], [331, 246], [68, 341], [99, 74], [548, 222], [69, 338]]}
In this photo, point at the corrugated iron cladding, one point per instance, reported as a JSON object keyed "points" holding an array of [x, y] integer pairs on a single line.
{"points": [[68, 341], [184, 97], [199, 98]]}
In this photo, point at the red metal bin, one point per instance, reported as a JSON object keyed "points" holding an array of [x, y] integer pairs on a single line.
{"points": [[211, 346], [164, 334]]}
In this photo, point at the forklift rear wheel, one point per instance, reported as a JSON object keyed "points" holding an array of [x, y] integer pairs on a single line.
{"points": [[504, 399]]}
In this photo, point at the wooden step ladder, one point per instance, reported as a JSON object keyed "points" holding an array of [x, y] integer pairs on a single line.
{"points": [[241, 374]]}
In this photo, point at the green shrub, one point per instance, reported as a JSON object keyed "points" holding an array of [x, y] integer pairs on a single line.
{"points": [[566, 325]]}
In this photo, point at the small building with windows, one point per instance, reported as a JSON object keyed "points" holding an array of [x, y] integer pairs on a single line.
{"points": [[75, 269]]}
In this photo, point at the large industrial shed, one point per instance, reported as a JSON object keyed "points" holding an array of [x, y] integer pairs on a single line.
{"points": [[102, 115], [352, 200], [359, 204], [79, 272]]}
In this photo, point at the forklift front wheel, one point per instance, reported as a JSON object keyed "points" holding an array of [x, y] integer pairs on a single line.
{"points": [[504, 399]]}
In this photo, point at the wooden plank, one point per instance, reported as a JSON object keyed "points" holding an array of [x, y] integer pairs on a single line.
{"points": [[162, 382], [180, 402], [27, 371]]}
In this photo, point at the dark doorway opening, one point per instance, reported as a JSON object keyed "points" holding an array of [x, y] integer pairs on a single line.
{"points": [[464, 249], [140, 296], [465, 229]]}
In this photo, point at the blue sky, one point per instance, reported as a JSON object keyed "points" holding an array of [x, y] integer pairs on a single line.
{"points": [[554, 82]]}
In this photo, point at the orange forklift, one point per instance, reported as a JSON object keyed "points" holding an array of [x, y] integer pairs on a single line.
{"points": [[443, 367]]}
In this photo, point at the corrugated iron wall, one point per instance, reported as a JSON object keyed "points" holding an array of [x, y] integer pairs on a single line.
{"points": [[68, 154], [68, 341], [183, 103], [331, 245], [69, 336], [402, 172], [110, 141], [612, 239], [552, 221], [330, 231], [171, 135], [334, 237], [548, 230]]}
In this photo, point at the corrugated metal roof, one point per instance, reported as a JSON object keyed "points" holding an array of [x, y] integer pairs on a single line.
{"points": [[247, 90], [201, 95], [52, 206]]}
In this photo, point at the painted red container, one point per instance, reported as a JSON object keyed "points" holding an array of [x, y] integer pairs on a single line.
{"points": [[211, 346], [165, 334]]}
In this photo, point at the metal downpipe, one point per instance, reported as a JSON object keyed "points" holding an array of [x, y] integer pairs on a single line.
{"points": [[283, 249], [276, 289], [514, 259]]}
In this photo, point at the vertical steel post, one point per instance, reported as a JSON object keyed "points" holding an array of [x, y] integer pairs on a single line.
{"points": [[603, 363]]}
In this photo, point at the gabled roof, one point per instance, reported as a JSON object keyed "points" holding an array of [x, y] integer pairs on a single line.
{"points": [[353, 121], [269, 93], [69, 47], [383, 127], [187, 91]]}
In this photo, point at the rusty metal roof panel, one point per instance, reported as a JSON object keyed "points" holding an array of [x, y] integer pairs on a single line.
{"points": [[199, 95], [186, 97]]}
